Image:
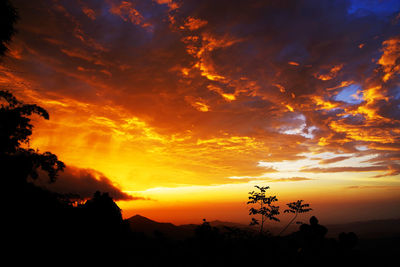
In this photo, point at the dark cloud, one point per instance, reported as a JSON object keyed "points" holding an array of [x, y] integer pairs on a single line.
{"points": [[85, 182]]}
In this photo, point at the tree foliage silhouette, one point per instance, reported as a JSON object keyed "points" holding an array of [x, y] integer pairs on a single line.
{"points": [[15, 127], [266, 208], [8, 18], [104, 209], [15, 130], [296, 208]]}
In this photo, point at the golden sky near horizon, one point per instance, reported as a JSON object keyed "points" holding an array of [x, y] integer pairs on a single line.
{"points": [[186, 105]]}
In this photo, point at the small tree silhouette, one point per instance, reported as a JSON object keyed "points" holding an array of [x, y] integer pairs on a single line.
{"points": [[296, 208], [266, 209]]}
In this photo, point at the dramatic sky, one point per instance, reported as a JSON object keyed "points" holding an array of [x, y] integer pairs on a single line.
{"points": [[180, 107]]}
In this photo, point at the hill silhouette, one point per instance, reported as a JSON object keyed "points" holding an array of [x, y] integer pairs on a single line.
{"points": [[365, 229], [221, 225], [140, 224]]}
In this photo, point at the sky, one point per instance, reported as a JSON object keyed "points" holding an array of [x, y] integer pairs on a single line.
{"points": [[179, 108]]}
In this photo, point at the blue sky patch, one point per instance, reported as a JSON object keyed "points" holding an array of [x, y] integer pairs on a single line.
{"points": [[350, 94], [379, 7]]}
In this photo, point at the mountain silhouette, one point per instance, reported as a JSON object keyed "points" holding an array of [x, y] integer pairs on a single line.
{"points": [[219, 224], [366, 229], [140, 224]]}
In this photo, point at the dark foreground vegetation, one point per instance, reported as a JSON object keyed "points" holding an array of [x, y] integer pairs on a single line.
{"points": [[45, 228]]}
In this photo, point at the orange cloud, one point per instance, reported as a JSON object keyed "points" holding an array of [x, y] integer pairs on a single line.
{"points": [[323, 104], [389, 58], [227, 96], [77, 30], [330, 74], [281, 88], [84, 55], [127, 12], [89, 12], [171, 4], [194, 24], [198, 103], [290, 108]]}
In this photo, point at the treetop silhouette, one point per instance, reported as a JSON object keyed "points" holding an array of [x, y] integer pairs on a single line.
{"points": [[269, 211], [266, 208], [296, 208], [15, 130]]}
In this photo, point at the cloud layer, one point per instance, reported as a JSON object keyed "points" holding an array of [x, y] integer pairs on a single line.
{"points": [[170, 93]]}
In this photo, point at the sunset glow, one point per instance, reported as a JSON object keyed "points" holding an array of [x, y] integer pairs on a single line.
{"points": [[185, 105]]}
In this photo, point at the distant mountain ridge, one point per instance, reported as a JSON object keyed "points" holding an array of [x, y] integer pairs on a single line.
{"points": [[364, 229], [219, 224], [141, 224], [149, 227]]}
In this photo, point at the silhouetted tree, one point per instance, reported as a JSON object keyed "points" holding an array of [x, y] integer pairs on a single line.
{"points": [[103, 208], [8, 18], [296, 208], [266, 208], [35, 213], [15, 127], [19, 163]]}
